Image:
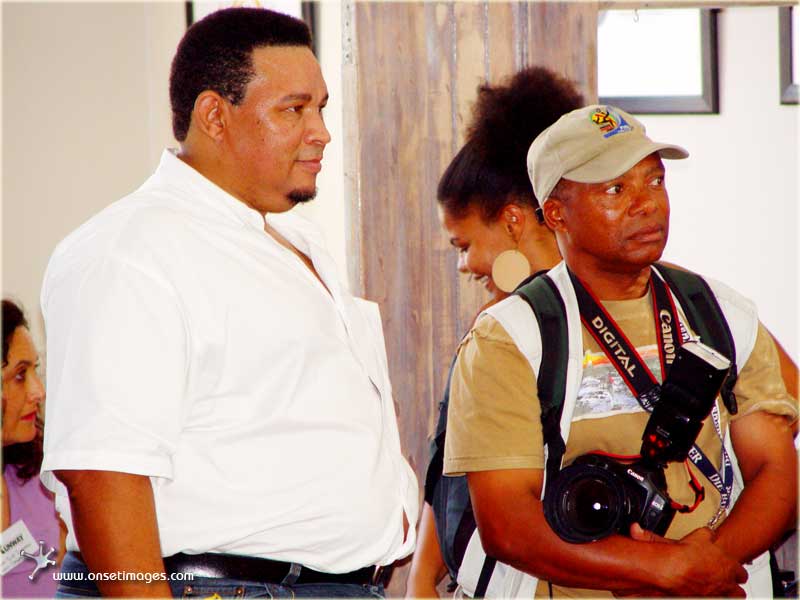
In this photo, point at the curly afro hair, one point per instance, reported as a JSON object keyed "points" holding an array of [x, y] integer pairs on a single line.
{"points": [[506, 118], [216, 54]]}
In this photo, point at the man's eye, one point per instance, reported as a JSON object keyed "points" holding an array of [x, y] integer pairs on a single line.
{"points": [[614, 189], [657, 181], [295, 109], [20, 376]]}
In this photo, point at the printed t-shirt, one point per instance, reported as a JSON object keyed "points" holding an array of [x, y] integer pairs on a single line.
{"points": [[494, 417]]}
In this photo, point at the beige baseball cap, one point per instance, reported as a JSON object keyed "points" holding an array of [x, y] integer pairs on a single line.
{"points": [[592, 144]]}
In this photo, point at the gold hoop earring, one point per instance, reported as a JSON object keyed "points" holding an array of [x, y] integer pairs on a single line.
{"points": [[509, 269]]}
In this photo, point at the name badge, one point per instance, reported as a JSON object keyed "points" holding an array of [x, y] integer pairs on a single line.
{"points": [[13, 540]]}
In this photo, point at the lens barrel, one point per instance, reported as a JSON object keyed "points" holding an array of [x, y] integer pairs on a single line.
{"points": [[596, 496], [586, 502]]}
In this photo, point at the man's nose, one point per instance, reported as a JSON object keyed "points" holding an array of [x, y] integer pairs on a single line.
{"points": [[645, 202], [317, 132]]}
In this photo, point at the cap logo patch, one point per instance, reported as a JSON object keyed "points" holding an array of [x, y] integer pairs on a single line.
{"points": [[610, 122]]}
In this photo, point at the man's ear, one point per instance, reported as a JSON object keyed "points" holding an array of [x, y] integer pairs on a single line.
{"points": [[210, 114], [553, 214]]}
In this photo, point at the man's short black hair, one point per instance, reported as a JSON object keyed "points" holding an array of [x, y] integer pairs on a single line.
{"points": [[216, 53], [505, 120]]}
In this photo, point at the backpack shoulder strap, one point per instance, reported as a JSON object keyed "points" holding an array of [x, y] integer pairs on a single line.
{"points": [[448, 496], [706, 319], [545, 300], [436, 462], [542, 296]]}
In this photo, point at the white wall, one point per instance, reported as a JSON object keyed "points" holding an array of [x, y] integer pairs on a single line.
{"points": [[735, 200], [327, 210], [85, 116]]}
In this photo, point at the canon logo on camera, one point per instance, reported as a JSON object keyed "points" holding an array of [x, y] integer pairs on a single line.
{"points": [[635, 475]]}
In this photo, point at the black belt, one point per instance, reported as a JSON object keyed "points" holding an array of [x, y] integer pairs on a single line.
{"points": [[260, 570]]}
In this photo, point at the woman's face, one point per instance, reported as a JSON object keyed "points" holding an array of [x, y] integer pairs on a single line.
{"points": [[478, 244], [23, 391]]}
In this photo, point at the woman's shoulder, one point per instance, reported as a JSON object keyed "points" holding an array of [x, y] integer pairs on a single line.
{"points": [[31, 489]]}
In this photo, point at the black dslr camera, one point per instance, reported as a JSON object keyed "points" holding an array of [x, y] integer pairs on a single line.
{"points": [[597, 495]]}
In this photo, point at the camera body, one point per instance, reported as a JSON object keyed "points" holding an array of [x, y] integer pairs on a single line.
{"points": [[597, 495]]}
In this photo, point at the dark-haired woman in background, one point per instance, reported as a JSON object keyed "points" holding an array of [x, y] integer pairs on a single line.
{"points": [[25, 501], [489, 213]]}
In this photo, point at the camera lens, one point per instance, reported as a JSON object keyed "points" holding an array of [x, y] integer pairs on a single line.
{"points": [[584, 503], [591, 505]]}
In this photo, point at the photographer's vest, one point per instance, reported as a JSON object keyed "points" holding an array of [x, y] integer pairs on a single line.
{"points": [[527, 328]]}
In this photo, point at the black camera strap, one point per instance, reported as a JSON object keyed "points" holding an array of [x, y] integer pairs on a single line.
{"points": [[618, 348], [721, 479], [637, 375]]}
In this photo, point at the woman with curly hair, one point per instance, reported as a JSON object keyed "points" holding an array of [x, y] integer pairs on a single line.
{"points": [[490, 215], [26, 503]]}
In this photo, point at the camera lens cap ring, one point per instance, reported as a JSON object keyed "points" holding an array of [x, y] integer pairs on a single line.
{"points": [[584, 503]]}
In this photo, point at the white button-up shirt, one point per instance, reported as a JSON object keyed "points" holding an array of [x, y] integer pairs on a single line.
{"points": [[186, 344]]}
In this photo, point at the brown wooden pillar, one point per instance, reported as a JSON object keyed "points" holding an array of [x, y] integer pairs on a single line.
{"points": [[410, 76]]}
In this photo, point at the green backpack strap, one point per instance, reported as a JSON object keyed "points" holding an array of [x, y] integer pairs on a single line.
{"points": [[706, 319], [545, 300]]}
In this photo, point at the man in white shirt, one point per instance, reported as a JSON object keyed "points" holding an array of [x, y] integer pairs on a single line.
{"points": [[220, 417]]}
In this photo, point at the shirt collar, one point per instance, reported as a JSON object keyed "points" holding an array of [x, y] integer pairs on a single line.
{"points": [[303, 234], [204, 191]]}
